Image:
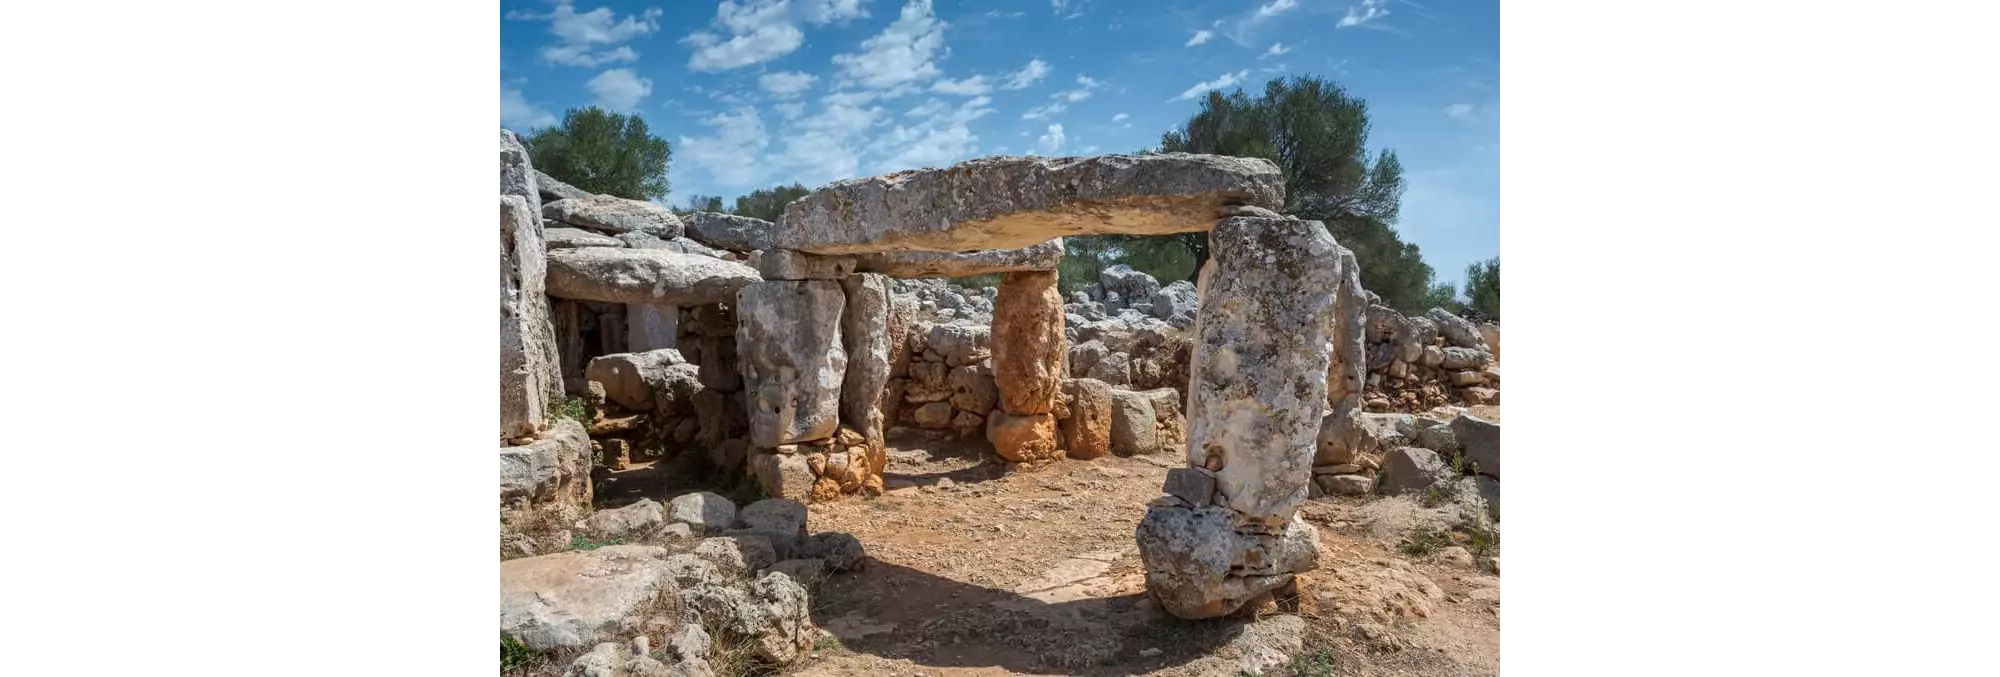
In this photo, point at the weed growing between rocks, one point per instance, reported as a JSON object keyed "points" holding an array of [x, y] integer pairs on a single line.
{"points": [[1423, 541], [1318, 663], [579, 542], [576, 410], [514, 654]]}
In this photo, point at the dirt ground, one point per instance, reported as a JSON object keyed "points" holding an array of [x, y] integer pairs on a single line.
{"points": [[978, 571]]}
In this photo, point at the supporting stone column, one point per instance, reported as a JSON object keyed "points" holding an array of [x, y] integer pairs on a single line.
{"points": [[1227, 531], [530, 378], [864, 327], [1028, 347], [651, 326], [793, 359]]}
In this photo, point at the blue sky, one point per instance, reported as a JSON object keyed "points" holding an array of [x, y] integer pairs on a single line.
{"points": [[754, 93]]}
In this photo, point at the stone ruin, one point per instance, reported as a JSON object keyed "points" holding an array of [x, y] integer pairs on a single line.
{"points": [[786, 350]]}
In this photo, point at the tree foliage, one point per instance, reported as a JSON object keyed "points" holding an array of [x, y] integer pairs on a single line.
{"points": [[603, 152], [1482, 287], [704, 203], [768, 203], [1318, 136]]}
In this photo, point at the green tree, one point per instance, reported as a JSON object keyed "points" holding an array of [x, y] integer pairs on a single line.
{"points": [[768, 203], [1318, 136], [603, 152], [1482, 287], [1443, 295], [705, 203]]}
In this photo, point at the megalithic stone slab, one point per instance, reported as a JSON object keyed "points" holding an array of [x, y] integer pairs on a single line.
{"points": [[644, 276], [1014, 202], [1028, 342], [1270, 296], [530, 376], [919, 264], [789, 349]]}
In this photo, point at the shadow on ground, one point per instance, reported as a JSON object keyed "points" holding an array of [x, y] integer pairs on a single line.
{"points": [[896, 612]]}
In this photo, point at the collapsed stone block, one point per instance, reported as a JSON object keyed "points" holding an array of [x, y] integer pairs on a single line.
{"points": [[1087, 431]]}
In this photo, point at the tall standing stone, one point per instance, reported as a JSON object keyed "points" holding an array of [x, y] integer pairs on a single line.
{"points": [[1028, 342], [517, 174], [1271, 304], [788, 346], [530, 376], [864, 327]]}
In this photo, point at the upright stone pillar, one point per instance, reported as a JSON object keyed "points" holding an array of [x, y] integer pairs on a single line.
{"points": [[864, 327], [1228, 532], [530, 379], [1028, 347], [651, 326], [788, 346]]}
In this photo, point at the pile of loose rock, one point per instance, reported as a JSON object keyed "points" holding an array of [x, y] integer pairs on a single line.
{"points": [[694, 577], [1397, 453], [1417, 363]]}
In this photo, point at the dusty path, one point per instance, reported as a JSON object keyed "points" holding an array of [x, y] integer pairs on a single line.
{"points": [[981, 572]]}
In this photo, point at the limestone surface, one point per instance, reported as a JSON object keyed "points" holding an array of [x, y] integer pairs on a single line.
{"points": [[1087, 431], [577, 599], [740, 234], [660, 276], [864, 328], [1015, 202], [914, 264], [530, 373], [611, 214], [1200, 564], [789, 348], [1028, 343]]}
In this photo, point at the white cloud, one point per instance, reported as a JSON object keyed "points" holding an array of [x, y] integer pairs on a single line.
{"points": [[730, 156], [1276, 49], [1458, 111], [1200, 37], [619, 89], [972, 86], [1080, 93], [1087, 150], [519, 115], [1122, 118], [1028, 75], [942, 139], [593, 38], [1051, 143], [1224, 80], [761, 30], [786, 84], [931, 108], [1043, 112], [1276, 6], [790, 110], [1370, 10], [900, 55]]}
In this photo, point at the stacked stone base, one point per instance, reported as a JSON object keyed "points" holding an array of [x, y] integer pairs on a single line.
{"points": [[1207, 561], [821, 470]]}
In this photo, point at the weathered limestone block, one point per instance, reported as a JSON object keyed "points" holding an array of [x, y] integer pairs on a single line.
{"points": [[1340, 435], [660, 276], [1481, 440], [1203, 562], [1087, 431], [1458, 332], [552, 189], [920, 264], [517, 174], [740, 234], [1134, 428], [1023, 438], [572, 238], [577, 599], [630, 379], [864, 327], [961, 344], [933, 415], [1412, 469], [1348, 362], [1014, 202], [1028, 342], [902, 311], [651, 326], [785, 264], [530, 369], [973, 389], [555, 468], [610, 214], [789, 349], [782, 475], [1456, 358], [1490, 333], [1270, 302]]}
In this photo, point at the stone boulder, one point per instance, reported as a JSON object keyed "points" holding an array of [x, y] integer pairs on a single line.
{"points": [[729, 232], [741, 554], [781, 520], [840, 552], [961, 344], [785, 475], [772, 615], [1412, 469], [1087, 431], [577, 599], [704, 511], [630, 379], [1480, 439], [789, 348], [1456, 359], [552, 189], [1014, 202], [1458, 332], [610, 214], [1340, 435], [973, 389], [1177, 300], [553, 468], [657, 276], [1133, 423], [911, 264], [572, 238], [1028, 344], [1199, 565], [517, 173], [631, 524], [1130, 285], [1022, 438]]}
